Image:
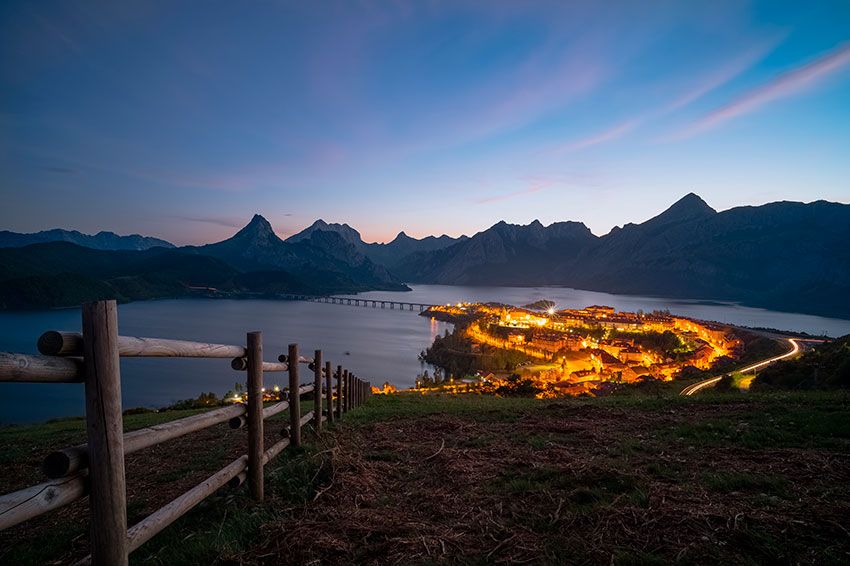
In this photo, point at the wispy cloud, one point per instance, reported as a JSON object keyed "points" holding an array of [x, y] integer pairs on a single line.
{"points": [[725, 73], [227, 221], [613, 133], [707, 84], [788, 83], [534, 188], [62, 170]]}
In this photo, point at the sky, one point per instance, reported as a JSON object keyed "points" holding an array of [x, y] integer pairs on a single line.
{"points": [[182, 119]]}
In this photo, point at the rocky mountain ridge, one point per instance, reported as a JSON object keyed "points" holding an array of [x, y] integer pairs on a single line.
{"points": [[100, 241]]}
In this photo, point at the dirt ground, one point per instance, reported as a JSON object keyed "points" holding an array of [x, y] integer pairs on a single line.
{"points": [[735, 479], [584, 484]]}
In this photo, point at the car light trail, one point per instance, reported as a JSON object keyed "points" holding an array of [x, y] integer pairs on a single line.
{"points": [[696, 387]]}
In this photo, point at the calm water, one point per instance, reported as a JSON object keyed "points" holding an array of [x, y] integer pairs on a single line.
{"points": [[383, 344]]}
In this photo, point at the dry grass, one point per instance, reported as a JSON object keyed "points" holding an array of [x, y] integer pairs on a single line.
{"points": [[155, 476], [415, 480], [568, 482]]}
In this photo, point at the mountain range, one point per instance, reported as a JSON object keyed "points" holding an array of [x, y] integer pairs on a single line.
{"points": [[785, 255], [254, 262], [389, 254], [99, 241]]}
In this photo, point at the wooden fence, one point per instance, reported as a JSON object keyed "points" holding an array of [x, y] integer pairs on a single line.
{"points": [[96, 468]]}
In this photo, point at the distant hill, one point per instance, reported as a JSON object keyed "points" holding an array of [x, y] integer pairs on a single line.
{"points": [[99, 241], [388, 255], [59, 274], [394, 252], [784, 255]]}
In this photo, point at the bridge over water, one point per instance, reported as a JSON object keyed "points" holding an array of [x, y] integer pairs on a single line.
{"points": [[374, 303]]}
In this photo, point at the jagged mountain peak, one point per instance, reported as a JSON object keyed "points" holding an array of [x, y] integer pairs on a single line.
{"points": [[347, 232], [258, 230], [689, 206]]}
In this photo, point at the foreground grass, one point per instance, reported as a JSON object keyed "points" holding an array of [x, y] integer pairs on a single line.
{"points": [[18, 441], [412, 479], [155, 476]]}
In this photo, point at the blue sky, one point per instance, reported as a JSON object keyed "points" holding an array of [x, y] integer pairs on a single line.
{"points": [[182, 119]]}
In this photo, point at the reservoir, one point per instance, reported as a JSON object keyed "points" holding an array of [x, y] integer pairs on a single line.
{"points": [[377, 344]]}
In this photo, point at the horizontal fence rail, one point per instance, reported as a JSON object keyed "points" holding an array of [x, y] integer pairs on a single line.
{"points": [[55, 343], [68, 460], [40, 369], [96, 468]]}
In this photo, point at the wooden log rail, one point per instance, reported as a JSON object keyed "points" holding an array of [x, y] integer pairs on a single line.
{"points": [[96, 468], [40, 369], [55, 343]]}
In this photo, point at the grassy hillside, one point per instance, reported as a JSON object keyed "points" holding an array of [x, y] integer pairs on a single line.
{"points": [[827, 366], [756, 478]]}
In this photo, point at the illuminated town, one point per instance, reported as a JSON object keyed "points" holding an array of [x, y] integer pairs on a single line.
{"points": [[569, 351]]}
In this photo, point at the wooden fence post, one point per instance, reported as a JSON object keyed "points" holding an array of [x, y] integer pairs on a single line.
{"points": [[346, 390], [329, 392], [255, 414], [294, 398], [342, 391], [105, 430], [338, 408], [317, 390]]}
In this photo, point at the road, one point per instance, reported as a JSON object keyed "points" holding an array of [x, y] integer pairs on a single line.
{"points": [[700, 385]]}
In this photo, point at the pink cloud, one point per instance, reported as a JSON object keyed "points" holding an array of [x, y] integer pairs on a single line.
{"points": [[788, 83], [726, 73], [535, 188], [615, 132]]}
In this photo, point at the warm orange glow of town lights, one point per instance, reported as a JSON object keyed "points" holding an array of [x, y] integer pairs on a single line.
{"points": [[579, 351]]}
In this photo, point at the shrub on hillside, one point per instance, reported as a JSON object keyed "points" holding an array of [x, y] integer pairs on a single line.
{"points": [[825, 367]]}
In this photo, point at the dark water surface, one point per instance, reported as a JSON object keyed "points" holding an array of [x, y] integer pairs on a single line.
{"points": [[383, 344]]}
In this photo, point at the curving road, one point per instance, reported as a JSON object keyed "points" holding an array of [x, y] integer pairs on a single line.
{"points": [[700, 385]]}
